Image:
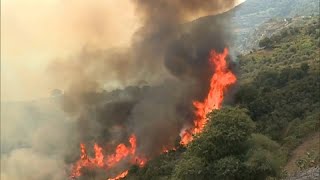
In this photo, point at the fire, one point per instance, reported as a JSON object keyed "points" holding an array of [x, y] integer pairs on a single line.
{"points": [[167, 149], [121, 152], [220, 81], [106, 162], [98, 160], [120, 176]]}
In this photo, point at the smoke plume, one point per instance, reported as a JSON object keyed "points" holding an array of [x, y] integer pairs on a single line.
{"points": [[160, 74]]}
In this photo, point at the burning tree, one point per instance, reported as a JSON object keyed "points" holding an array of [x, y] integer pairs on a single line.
{"points": [[221, 79], [187, 67]]}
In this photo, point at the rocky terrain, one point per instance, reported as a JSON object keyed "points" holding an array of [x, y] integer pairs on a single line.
{"points": [[310, 174]]}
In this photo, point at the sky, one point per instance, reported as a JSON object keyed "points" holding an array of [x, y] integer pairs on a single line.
{"points": [[34, 33]]}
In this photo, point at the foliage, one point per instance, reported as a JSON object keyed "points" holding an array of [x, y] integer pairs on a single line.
{"points": [[190, 167], [277, 106], [279, 86], [229, 150], [265, 42], [265, 157], [160, 167]]}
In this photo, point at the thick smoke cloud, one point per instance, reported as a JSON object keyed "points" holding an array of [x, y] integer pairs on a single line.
{"points": [[163, 71], [159, 75], [168, 55]]}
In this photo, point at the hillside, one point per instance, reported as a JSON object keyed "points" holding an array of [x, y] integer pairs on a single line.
{"points": [[303, 156], [276, 108], [250, 15], [267, 129], [280, 87]]}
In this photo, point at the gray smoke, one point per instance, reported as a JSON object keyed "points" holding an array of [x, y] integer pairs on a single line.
{"points": [[163, 71], [35, 140]]}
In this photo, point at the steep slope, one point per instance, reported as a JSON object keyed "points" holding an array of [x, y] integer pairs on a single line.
{"points": [[278, 88], [304, 155]]}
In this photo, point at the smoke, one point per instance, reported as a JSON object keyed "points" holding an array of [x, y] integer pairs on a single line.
{"points": [[160, 74], [146, 89], [45, 30], [35, 140]]}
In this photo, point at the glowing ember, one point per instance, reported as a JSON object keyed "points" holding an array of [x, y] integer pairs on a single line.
{"points": [[167, 149], [220, 81], [140, 161]]}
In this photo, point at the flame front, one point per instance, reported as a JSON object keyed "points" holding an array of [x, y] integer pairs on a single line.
{"points": [[100, 161], [220, 81]]}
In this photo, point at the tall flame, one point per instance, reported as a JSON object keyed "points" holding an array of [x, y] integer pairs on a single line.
{"points": [[220, 81]]}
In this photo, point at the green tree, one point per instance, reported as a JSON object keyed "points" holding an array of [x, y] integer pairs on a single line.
{"points": [[264, 157], [227, 128], [190, 168], [265, 42], [227, 149]]}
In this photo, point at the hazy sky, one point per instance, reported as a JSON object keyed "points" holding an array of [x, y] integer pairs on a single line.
{"points": [[36, 32]]}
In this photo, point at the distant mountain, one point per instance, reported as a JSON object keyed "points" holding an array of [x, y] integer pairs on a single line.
{"points": [[250, 15]]}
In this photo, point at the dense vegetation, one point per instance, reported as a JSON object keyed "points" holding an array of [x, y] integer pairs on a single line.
{"points": [[279, 84], [276, 107], [227, 149]]}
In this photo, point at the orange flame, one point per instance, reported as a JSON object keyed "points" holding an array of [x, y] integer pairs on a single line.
{"points": [[100, 161], [120, 176], [220, 81]]}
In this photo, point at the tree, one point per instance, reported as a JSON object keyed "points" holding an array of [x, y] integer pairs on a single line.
{"points": [[228, 168], [264, 157], [189, 168], [265, 42], [227, 149], [227, 128]]}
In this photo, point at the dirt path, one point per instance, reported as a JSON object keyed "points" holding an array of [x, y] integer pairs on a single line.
{"points": [[312, 142]]}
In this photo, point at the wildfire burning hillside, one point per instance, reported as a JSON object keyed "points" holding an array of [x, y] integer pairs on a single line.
{"points": [[122, 152], [172, 74], [221, 79]]}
